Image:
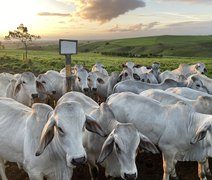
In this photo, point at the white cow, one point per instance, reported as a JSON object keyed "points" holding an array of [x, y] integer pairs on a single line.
{"points": [[23, 89], [126, 74], [187, 70], [148, 78], [177, 129], [87, 103], [137, 86], [58, 82], [187, 92], [8, 75], [45, 89], [207, 82], [100, 68], [149, 74], [73, 69], [4, 82], [81, 81], [170, 75], [116, 152], [131, 65], [105, 84], [183, 72], [202, 104], [143, 73], [46, 142]]}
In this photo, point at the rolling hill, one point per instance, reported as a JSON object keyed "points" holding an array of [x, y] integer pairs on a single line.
{"points": [[184, 46]]}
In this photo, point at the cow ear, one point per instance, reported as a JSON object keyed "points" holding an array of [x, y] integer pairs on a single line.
{"points": [[124, 65], [107, 148], [137, 66], [46, 136], [200, 134], [100, 81], [146, 144], [17, 88], [119, 78], [136, 77], [93, 126], [40, 86]]}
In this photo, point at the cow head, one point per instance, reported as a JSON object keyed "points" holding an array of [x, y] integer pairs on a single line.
{"points": [[123, 142], [64, 129], [200, 67]]}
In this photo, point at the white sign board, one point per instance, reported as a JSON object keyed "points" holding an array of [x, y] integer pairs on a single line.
{"points": [[67, 46]]}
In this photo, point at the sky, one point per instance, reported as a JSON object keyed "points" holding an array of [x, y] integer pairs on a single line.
{"points": [[106, 19]]}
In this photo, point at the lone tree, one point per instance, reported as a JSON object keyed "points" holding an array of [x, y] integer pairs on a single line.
{"points": [[22, 34]]}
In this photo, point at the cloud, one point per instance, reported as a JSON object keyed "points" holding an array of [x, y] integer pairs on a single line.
{"points": [[133, 28], [53, 14], [190, 27], [104, 10]]}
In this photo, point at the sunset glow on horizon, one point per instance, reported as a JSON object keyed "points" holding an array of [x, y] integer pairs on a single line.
{"points": [[106, 19]]}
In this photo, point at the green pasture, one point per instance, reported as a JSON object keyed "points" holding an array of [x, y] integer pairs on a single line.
{"points": [[184, 46], [11, 60]]}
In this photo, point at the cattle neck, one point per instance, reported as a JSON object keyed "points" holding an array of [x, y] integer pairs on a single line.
{"points": [[112, 125], [58, 154]]}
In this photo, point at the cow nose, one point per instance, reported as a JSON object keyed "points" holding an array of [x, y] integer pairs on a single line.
{"points": [[34, 96], [54, 92], [78, 161], [94, 89], [85, 89], [129, 176]]}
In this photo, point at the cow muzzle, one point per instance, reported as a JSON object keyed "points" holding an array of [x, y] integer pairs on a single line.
{"points": [[78, 161], [94, 89], [35, 95], [85, 89], [130, 176]]}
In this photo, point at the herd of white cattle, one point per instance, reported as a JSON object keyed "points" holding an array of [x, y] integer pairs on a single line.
{"points": [[49, 131]]}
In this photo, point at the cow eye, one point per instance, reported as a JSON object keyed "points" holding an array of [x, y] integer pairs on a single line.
{"points": [[117, 148], [24, 82], [79, 79], [60, 130], [44, 82]]}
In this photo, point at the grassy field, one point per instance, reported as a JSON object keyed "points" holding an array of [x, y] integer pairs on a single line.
{"points": [[11, 60], [185, 46], [44, 55]]}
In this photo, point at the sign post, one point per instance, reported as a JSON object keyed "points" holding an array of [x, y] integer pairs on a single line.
{"points": [[68, 47]]}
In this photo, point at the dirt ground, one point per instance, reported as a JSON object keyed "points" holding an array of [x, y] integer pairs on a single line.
{"points": [[149, 168]]}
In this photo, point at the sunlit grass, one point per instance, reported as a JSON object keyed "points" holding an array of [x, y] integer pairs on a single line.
{"points": [[41, 61]]}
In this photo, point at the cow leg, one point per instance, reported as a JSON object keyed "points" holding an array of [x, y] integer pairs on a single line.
{"points": [[2, 170], [169, 167], [94, 171], [203, 169], [207, 167]]}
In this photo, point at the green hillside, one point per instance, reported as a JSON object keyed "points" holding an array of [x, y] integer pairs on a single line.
{"points": [[185, 46]]}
